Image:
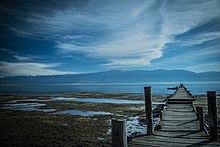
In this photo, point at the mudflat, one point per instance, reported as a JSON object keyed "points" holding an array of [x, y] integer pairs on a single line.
{"points": [[48, 120], [71, 119]]}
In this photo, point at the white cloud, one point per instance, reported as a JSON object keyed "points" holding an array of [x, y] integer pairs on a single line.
{"points": [[198, 39], [21, 58], [16, 69], [136, 45], [181, 16], [213, 66], [125, 33], [6, 50], [142, 33], [194, 60], [27, 33]]}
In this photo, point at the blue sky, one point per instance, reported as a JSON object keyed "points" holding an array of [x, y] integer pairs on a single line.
{"points": [[81, 36]]}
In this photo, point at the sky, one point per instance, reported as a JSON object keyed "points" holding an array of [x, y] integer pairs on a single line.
{"points": [[53, 37]]}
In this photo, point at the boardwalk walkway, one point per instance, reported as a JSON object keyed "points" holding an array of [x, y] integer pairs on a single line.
{"points": [[179, 126]]}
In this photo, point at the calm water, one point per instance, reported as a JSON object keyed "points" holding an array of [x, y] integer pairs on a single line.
{"points": [[103, 100], [157, 87]]}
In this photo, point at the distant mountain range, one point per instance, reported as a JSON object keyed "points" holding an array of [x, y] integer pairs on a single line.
{"points": [[116, 76]]}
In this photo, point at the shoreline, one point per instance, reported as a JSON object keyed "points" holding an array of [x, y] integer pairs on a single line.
{"points": [[41, 128]]}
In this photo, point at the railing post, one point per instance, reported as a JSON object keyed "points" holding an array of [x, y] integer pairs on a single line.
{"points": [[119, 133], [200, 117], [212, 115], [161, 114], [197, 112], [148, 110]]}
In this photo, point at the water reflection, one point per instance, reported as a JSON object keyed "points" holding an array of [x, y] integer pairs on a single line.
{"points": [[83, 113], [26, 107], [102, 100], [30, 105]]}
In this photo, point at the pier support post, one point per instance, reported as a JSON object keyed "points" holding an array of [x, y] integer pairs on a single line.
{"points": [[119, 133], [197, 112], [161, 114], [200, 117], [148, 110], [212, 115]]}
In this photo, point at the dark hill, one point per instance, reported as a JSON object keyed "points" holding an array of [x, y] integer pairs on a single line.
{"points": [[116, 76]]}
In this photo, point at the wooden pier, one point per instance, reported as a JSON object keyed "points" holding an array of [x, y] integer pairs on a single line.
{"points": [[179, 125]]}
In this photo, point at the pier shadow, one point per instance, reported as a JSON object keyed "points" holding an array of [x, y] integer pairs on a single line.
{"points": [[203, 143], [187, 122], [190, 133]]}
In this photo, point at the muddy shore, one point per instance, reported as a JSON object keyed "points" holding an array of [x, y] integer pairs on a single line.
{"points": [[41, 120]]}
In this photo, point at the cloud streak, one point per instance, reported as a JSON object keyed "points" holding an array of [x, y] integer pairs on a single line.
{"points": [[16, 69], [117, 34], [204, 67], [139, 37]]}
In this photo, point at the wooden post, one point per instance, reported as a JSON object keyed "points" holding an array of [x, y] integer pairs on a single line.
{"points": [[119, 133], [161, 114], [212, 115], [201, 117], [197, 112], [148, 110]]}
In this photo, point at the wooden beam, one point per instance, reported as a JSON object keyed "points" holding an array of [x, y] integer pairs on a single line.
{"points": [[119, 133], [148, 110], [201, 118], [212, 115], [197, 112]]}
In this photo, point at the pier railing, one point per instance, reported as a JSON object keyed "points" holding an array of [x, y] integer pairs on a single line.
{"points": [[206, 124], [209, 122]]}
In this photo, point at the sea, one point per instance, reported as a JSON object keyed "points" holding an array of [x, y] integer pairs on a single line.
{"points": [[133, 88]]}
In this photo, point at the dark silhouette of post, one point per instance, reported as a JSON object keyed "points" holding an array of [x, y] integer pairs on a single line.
{"points": [[148, 110], [200, 117], [212, 115], [197, 112], [119, 133]]}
